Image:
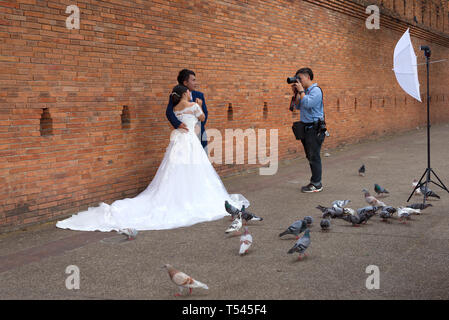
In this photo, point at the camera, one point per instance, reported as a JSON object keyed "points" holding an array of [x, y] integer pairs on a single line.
{"points": [[291, 80]]}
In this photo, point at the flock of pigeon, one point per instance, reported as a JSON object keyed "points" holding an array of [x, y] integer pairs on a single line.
{"points": [[337, 210]]}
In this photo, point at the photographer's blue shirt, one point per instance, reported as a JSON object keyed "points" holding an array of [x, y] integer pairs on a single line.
{"points": [[311, 106]]}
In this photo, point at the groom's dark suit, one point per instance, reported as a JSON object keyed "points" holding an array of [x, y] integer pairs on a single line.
{"points": [[175, 121]]}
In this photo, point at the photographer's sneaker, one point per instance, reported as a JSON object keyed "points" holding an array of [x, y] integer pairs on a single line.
{"points": [[312, 188]]}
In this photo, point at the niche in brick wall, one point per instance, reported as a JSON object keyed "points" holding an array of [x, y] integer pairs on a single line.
{"points": [[265, 111], [46, 123], [230, 112], [126, 118]]}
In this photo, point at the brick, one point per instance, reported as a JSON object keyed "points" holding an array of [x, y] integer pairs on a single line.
{"points": [[129, 56]]}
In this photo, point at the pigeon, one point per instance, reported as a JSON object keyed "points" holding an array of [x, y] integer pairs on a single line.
{"points": [[183, 281], [301, 245], [129, 232], [233, 211], [235, 225], [363, 218], [333, 212], [340, 203], [308, 220], [410, 211], [429, 193], [295, 228], [371, 200], [325, 224], [349, 211], [368, 210], [247, 216], [355, 220], [245, 242], [403, 214], [389, 209], [385, 215], [368, 215], [380, 190], [362, 170], [417, 191], [420, 206]]}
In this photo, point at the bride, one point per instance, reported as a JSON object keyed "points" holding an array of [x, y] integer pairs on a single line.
{"points": [[185, 190]]}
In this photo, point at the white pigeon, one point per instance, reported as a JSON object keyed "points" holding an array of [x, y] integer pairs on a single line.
{"points": [[129, 232], [236, 225], [417, 191], [245, 242], [403, 214], [341, 203], [182, 280], [410, 211], [349, 211]]}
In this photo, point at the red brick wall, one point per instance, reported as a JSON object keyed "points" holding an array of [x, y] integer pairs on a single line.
{"points": [[129, 53]]}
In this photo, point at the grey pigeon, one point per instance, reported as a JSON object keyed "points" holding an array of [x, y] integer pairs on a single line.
{"points": [[369, 215], [389, 209], [385, 215], [247, 216], [362, 171], [340, 203], [233, 211], [420, 206], [308, 220], [428, 193], [295, 228], [333, 212], [379, 190], [301, 245], [368, 209], [129, 232], [355, 220], [325, 224]]}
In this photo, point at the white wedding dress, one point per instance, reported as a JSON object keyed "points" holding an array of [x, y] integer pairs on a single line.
{"points": [[185, 190]]}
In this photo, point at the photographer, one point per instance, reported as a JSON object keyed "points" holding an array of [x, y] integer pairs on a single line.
{"points": [[308, 98]]}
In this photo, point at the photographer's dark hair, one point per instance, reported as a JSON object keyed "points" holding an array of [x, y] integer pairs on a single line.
{"points": [[305, 71], [184, 75], [177, 93]]}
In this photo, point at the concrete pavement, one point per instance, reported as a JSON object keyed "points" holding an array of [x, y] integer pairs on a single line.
{"points": [[412, 258]]}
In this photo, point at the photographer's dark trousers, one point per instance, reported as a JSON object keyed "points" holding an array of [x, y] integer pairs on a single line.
{"points": [[312, 142]]}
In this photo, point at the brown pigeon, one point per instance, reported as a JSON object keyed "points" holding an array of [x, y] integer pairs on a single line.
{"points": [[183, 281]]}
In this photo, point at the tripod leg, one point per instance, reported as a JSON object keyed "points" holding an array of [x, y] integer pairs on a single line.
{"points": [[442, 187], [438, 185], [417, 185]]}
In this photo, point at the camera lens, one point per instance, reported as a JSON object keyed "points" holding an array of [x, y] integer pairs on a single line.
{"points": [[291, 80]]}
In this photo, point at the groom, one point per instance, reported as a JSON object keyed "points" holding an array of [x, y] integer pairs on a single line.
{"points": [[187, 78]]}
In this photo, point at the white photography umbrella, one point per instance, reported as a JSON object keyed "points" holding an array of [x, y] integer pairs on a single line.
{"points": [[405, 67]]}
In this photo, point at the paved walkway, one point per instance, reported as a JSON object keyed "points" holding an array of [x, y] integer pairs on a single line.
{"points": [[412, 258]]}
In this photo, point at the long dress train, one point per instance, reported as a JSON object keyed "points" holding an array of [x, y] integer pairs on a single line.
{"points": [[185, 190]]}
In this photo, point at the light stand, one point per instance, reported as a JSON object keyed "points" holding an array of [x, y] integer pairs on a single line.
{"points": [[429, 169]]}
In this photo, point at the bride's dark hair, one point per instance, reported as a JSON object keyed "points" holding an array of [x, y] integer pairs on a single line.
{"points": [[177, 93]]}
